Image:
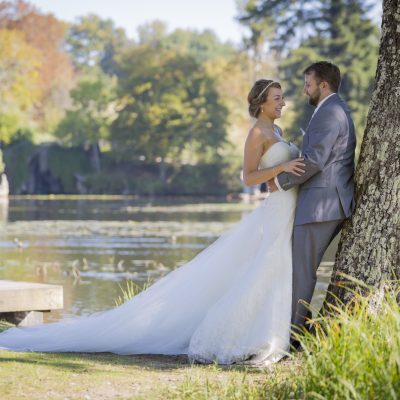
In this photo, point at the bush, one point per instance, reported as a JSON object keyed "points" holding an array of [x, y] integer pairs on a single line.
{"points": [[205, 179], [65, 163], [16, 159]]}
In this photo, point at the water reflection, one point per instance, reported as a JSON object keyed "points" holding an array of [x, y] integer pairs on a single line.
{"points": [[92, 246], [4, 202]]}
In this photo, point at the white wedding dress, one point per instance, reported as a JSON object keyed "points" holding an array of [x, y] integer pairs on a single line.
{"points": [[231, 303]]}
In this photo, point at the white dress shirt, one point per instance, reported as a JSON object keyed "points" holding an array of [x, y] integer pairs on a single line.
{"points": [[315, 111], [320, 104]]}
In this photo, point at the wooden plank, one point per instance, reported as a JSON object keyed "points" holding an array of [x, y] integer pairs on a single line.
{"points": [[27, 296]]}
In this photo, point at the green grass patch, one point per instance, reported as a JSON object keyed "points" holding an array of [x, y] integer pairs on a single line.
{"points": [[108, 376]]}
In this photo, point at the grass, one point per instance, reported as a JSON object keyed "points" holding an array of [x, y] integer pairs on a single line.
{"points": [[354, 354], [78, 376], [107, 376], [130, 290]]}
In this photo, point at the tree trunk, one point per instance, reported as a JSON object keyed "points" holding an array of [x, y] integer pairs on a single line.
{"points": [[94, 153], [163, 171], [369, 247]]}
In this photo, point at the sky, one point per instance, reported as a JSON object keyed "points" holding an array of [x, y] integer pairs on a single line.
{"points": [[129, 14]]}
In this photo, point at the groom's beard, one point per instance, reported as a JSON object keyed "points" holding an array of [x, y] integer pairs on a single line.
{"points": [[313, 99]]}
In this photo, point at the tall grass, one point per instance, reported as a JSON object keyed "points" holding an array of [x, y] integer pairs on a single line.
{"points": [[130, 290], [353, 354]]}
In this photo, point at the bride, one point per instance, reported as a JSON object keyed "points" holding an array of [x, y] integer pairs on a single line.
{"points": [[229, 304]]}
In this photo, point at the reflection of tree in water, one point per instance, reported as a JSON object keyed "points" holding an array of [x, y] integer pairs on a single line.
{"points": [[3, 209]]}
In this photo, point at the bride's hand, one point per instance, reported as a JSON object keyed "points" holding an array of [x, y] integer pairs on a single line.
{"points": [[294, 166]]}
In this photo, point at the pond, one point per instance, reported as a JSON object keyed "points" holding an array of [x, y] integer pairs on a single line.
{"points": [[92, 246]]}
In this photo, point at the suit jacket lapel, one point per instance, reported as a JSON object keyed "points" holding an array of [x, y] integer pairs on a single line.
{"points": [[331, 99]]}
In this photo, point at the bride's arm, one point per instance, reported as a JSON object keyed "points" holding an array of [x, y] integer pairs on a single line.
{"points": [[253, 152]]}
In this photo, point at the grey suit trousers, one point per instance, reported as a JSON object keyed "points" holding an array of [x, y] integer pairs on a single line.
{"points": [[310, 242]]}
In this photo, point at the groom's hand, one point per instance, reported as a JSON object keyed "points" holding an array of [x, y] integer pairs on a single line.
{"points": [[271, 186]]}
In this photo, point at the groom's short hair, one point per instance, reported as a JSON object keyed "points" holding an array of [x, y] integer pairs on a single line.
{"points": [[325, 71]]}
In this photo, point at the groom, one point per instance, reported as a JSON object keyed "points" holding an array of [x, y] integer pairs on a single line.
{"points": [[325, 196]]}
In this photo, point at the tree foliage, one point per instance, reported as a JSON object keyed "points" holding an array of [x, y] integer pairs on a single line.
{"points": [[93, 42], [169, 106], [93, 111], [228, 66], [175, 96], [46, 34], [307, 31], [19, 80]]}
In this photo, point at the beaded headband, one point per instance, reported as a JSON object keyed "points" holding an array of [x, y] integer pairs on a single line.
{"points": [[266, 87]]}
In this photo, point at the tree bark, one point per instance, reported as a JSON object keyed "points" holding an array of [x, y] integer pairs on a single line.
{"points": [[369, 246]]}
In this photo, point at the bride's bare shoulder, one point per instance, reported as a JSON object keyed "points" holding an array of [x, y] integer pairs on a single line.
{"points": [[254, 138], [255, 131], [255, 135]]}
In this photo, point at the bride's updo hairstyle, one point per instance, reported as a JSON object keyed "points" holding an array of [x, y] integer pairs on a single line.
{"points": [[258, 95]]}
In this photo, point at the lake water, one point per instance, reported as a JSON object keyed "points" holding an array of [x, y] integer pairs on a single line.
{"points": [[93, 246]]}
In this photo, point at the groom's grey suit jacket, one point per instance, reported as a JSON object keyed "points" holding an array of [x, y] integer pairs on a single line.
{"points": [[326, 189]]}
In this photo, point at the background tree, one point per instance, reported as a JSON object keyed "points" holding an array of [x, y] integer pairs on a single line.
{"points": [[232, 69], [46, 34], [307, 31], [194, 119], [19, 83], [203, 46], [369, 247], [89, 121], [94, 42], [170, 108]]}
